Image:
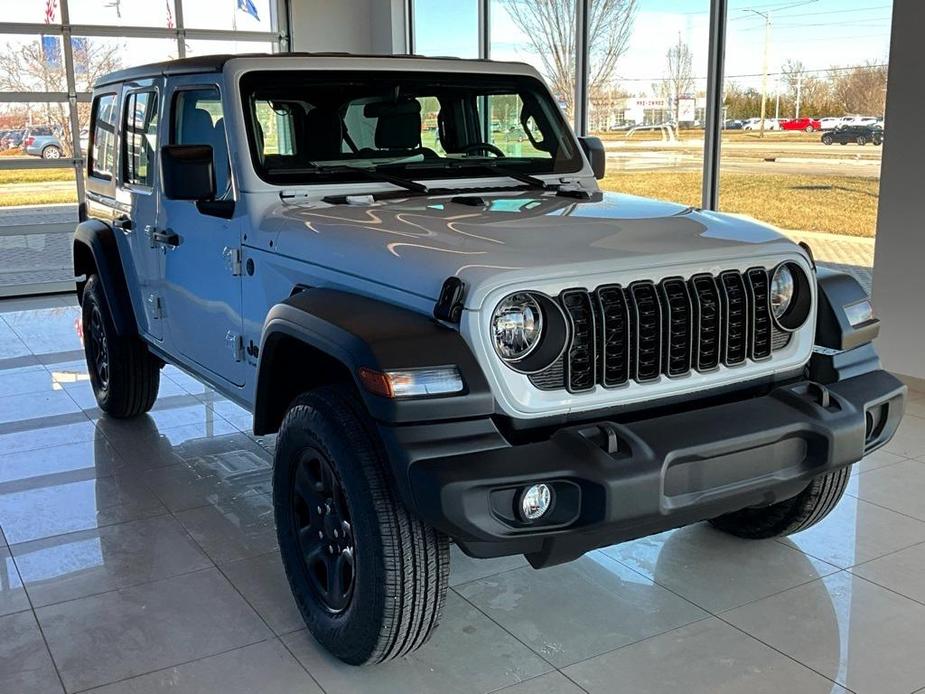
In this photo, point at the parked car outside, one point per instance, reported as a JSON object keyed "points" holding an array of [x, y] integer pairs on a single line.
{"points": [[858, 134], [12, 140], [732, 124], [44, 146], [859, 120], [478, 345], [755, 124], [829, 123], [808, 125]]}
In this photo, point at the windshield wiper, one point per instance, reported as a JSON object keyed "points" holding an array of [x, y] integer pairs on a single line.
{"points": [[373, 174], [531, 181]]}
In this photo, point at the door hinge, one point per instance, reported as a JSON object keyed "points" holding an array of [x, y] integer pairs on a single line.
{"points": [[157, 306], [233, 260], [235, 343]]}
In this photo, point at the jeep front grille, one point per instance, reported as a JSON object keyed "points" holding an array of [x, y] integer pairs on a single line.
{"points": [[646, 330]]}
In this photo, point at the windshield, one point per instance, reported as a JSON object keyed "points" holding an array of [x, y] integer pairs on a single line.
{"points": [[311, 127]]}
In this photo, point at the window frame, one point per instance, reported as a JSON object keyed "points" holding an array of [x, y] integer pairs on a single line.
{"points": [[123, 133], [91, 136], [171, 126]]}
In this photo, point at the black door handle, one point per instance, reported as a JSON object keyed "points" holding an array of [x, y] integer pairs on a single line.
{"points": [[167, 237], [124, 223]]}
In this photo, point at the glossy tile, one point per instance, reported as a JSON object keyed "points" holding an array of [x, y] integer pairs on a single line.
{"points": [[464, 569], [33, 406], [910, 438], [854, 632], [262, 581], [903, 572], [708, 657], [551, 683], [899, 487], [877, 459], [100, 639], [718, 571], [857, 531], [47, 330], [237, 529], [48, 431], [211, 479], [11, 345], [170, 412], [73, 501], [467, 654], [266, 667], [25, 664], [95, 561], [13, 596], [571, 612], [26, 379], [96, 458]]}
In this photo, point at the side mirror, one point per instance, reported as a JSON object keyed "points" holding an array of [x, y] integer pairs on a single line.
{"points": [[596, 154], [188, 172]]}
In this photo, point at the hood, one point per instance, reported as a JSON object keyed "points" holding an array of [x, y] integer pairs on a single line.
{"points": [[414, 244]]}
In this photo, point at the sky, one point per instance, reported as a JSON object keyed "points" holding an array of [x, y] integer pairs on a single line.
{"points": [[820, 33]]}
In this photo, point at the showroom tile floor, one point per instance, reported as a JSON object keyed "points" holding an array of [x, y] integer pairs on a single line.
{"points": [[140, 557]]}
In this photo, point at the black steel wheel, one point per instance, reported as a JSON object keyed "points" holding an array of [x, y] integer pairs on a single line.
{"points": [[124, 375], [321, 521], [368, 576]]}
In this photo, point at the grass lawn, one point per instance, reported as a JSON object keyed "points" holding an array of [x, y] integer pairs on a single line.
{"points": [[45, 197], [35, 175], [808, 203]]}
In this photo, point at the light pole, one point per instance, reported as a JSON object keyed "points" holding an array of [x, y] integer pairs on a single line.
{"points": [[764, 79]]}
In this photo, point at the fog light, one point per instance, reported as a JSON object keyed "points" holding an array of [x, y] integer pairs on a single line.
{"points": [[535, 501]]}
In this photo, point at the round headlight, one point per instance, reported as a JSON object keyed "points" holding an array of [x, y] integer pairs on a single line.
{"points": [[782, 289], [516, 325]]}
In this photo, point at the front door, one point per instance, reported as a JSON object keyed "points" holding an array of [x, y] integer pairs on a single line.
{"points": [[202, 285]]}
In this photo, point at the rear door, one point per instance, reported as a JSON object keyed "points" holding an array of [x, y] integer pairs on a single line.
{"points": [[202, 273], [136, 193]]}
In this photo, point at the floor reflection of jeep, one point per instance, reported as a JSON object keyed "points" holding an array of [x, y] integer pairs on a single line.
{"points": [[455, 333]]}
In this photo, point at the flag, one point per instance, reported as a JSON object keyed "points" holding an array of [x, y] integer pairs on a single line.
{"points": [[51, 51], [51, 10], [249, 7], [170, 24]]}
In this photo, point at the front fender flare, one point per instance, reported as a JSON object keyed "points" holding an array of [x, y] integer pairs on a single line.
{"points": [[359, 331]]}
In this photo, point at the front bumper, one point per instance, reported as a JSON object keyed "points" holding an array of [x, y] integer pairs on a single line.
{"points": [[618, 481]]}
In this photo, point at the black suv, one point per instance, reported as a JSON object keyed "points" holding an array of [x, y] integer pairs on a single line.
{"points": [[860, 134]]}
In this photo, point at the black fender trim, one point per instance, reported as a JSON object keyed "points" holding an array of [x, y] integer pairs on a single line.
{"points": [[833, 330], [357, 332], [95, 250]]}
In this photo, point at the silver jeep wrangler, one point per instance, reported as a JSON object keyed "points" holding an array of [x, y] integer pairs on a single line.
{"points": [[405, 267]]}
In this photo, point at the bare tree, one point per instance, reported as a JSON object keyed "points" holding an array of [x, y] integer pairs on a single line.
{"points": [[680, 74], [550, 28], [860, 90], [32, 66]]}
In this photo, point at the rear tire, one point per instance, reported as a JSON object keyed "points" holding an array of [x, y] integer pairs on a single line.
{"points": [[791, 515], [124, 375], [375, 590], [51, 152]]}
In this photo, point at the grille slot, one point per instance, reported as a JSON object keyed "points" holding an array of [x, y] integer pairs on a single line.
{"points": [[677, 326], [646, 315], [735, 303], [647, 330], [707, 312], [760, 344], [580, 365], [615, 335]]}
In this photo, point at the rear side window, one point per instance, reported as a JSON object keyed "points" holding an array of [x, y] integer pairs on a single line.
{"points": [[103, 150], [139, 143], [197, 119]]}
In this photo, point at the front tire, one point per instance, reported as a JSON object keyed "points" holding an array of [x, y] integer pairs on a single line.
{"points": [[369, 578], [124, 375], [791, 515], [51, 152], [827, 140]]}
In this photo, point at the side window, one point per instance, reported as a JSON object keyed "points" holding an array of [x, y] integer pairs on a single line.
{"points": [[103, 152], [139, 143], [198, 119]]}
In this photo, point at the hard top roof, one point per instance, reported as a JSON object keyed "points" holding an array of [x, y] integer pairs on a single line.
{"points": [[216, 63]]}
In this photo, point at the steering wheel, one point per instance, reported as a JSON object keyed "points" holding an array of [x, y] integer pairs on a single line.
{"points": [[483, 147]]}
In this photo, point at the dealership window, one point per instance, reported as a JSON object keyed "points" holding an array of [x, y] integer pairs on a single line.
{"points": [[47, 70], [446, 28], [826, 68]]}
